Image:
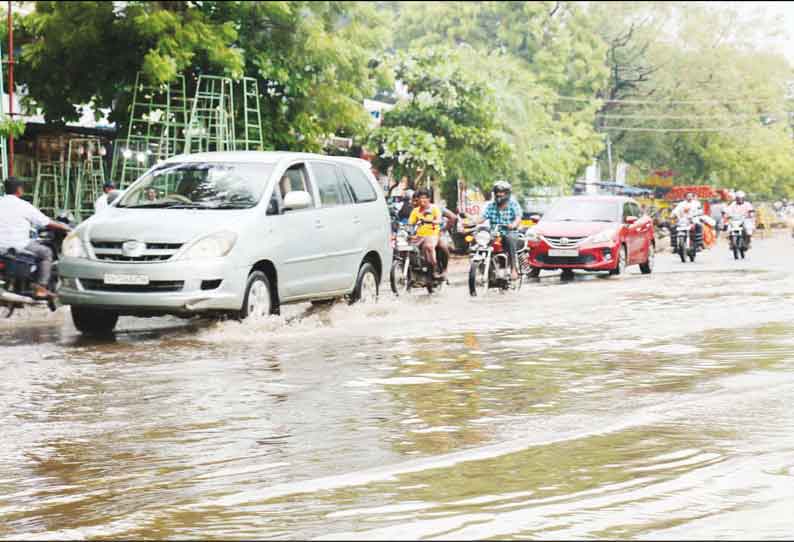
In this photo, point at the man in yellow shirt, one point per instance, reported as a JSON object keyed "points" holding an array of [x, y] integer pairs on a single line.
{"points": [[428, 216]]}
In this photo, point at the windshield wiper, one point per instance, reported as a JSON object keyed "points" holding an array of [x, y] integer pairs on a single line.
{"points": [[153, 205]]}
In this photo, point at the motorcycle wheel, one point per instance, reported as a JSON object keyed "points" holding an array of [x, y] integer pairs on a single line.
{"points": [[399, 278], [735, 251], [692, 253], [477, 279], [682, 252]]}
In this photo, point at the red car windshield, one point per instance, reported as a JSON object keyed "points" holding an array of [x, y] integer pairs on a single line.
{"points": [[583, 210]]}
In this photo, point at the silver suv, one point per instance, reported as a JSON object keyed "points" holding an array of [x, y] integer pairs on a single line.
{"points": [[229, 232]]}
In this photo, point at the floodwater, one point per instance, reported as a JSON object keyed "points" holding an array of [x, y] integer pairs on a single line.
{"points": [[641, 407]]}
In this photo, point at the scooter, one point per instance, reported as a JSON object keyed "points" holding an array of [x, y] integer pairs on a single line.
{"points": [[18, 269]]}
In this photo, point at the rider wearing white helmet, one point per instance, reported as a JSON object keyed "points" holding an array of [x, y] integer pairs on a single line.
{"points": [[743, 208]]}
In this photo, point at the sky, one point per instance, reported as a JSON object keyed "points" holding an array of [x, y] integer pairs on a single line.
{"points": [[782, 11]]}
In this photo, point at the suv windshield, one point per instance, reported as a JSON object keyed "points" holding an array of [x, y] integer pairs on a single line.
{"points": [[199, 185], [583, 210]]}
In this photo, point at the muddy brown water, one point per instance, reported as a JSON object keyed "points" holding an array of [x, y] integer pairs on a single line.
{"points": [[640, 407]]}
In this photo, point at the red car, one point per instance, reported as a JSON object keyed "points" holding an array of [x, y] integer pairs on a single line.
{"points": [[594, 233]]}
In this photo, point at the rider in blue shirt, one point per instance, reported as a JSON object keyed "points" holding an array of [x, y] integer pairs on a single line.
{"points": [[505, 213]]}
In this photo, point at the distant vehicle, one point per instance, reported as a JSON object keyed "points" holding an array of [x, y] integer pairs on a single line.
{"points": [[235, 233], [593, 233]]}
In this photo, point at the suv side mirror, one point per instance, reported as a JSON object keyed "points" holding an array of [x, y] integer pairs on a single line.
{"points": [[296, 200], [630, 220]]}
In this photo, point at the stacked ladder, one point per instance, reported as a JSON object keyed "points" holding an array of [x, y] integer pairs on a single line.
{"points": [[85, 175], [252, 117], [211, 126], [156, 129], [47, 190]]}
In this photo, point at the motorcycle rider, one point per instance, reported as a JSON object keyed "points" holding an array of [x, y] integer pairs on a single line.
{"points": [[429, 218], [505, 213], [691, 209], [17, 216], [743, 208]]}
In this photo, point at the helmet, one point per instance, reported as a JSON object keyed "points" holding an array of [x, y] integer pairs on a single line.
{"points": [[501, 186], [740, 195]]}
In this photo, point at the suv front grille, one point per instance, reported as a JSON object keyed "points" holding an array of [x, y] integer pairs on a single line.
{"points": [[110, 251], [99, 285]]}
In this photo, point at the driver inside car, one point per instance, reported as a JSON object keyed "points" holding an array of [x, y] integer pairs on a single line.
{"points": [[17, 217]]}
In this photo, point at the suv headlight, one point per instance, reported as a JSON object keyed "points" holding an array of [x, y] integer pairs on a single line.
{"points": [[215, 245], [606, 236], [72, 247]]}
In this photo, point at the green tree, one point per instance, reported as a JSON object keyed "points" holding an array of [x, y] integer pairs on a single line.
{"points": [[316, 61], [447, 123]]}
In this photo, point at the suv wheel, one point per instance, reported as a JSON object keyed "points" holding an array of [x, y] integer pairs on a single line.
{"points": [[96, 322], [259, 300], [366, 290]]}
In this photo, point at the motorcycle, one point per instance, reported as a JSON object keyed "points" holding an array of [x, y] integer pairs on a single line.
{"points": [[687, 243], [490, 264], [737, 236], [409, 267], [18, 270]]}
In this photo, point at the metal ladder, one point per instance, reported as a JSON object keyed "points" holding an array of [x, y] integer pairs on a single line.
{"points": [[211, 125], [156, 129], [85, 174], [252, 139], [47, 190]]}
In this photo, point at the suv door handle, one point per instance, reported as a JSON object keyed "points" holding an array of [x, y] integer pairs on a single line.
{"points": [[318, 224], [356, 220]]}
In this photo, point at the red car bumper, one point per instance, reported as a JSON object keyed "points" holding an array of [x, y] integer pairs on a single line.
{"points": [[589, 257]]}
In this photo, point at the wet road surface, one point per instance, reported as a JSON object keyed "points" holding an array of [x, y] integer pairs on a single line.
{"points": [[636, 407]]}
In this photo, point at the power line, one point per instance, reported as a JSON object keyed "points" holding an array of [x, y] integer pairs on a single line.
{"points": [[653, 102], [636, 129], [682, 117]]}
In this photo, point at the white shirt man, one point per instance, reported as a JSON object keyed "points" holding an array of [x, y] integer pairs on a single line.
{"points": [[689, 207], [743, 208], [17, 218], [102, 202]]}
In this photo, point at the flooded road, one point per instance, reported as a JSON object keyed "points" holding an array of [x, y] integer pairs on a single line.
{"points": [[641, 407]]}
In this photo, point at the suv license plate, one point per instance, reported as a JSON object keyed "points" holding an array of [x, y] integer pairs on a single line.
{"points": [[141, 280], [564, 252]]}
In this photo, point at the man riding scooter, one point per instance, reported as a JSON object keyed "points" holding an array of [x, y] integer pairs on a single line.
{"points": [[743, 208], [17, 217], [505, 212], [691, 209]]}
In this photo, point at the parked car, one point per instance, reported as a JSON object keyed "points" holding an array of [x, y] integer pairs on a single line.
{"points": [[235, 233], [594, 233]]}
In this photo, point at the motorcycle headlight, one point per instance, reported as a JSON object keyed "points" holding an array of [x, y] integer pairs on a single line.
{"points": [[215, 245], [402, 237], [73, 247], [483, 238], [532, 235], [606, 236]]}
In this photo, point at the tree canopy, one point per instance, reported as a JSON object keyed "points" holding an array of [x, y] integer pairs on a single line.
{"points": [[527, 90]]}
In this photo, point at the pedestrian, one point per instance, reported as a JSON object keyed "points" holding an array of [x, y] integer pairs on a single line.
{"points": [[102, 202]]}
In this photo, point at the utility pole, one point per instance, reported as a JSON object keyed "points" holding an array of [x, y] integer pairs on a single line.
{"points": [[609, 158], [10, 89]]}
